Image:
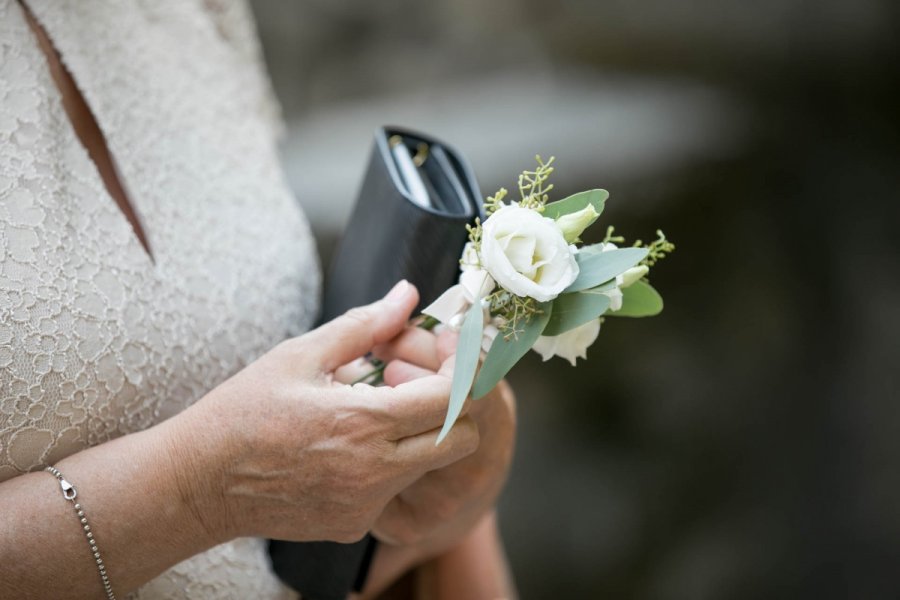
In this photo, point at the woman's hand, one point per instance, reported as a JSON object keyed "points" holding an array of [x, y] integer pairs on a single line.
{"points": [[296, 455], [440, 507]]}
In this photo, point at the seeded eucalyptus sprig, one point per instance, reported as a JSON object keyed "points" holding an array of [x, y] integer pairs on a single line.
{"points": [[531, 185], [657, 250], [513, 310]]}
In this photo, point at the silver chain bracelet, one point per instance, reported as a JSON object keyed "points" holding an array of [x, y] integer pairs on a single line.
{"points": [[69, 493]]}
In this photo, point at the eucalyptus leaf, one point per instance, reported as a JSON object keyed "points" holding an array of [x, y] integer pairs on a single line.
{"points": [[595, 268], [576, 202], [505, 353], [639, 300], [468, 351], [600, 289], [573, 310], [590, 249]]}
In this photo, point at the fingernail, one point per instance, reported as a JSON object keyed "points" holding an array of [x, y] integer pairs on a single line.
{"points": [[398, 291]]}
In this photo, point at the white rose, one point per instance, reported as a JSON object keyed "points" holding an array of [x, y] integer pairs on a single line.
{"points": [[527, 254], [569, 345]]}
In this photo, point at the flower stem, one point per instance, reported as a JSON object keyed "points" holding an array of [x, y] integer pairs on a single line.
{"points": [[376, 375], [428, 323]]}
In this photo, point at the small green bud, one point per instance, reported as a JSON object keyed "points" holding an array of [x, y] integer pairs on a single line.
{"points": [[633, 274], [573, 224]]}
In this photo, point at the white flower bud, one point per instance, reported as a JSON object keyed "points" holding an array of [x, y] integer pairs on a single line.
{"points": [[573, 224], [633, 274]]}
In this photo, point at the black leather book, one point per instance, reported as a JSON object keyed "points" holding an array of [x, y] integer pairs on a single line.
{"points": [[408, 223]]}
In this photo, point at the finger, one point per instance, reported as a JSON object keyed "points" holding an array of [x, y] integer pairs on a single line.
{"points": [[398, 524], [399, 371], [353, 371], [357, 331], [407, 521], [500, 400], [414, 345], [447, 366], [410, 408], [420, 454], [440, 486], [446, 343]]}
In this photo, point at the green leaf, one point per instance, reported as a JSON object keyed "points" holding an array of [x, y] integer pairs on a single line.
{"points": [[572, 310], [591, 249], [468, 351], [599, 289], [639, 300], [595, 268], [576, 202], [504, 354]]}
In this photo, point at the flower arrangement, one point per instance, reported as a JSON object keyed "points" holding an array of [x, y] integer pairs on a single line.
{"points": [[528, 283]]}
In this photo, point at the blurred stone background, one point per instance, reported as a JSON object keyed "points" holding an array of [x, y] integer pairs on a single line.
{"points": [[744, 444]]}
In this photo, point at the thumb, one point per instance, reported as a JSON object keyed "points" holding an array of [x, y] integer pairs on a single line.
{"points": [[357, 331]]}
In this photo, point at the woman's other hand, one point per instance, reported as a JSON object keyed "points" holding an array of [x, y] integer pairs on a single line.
{"points": [[439, 508], [294, 454]]}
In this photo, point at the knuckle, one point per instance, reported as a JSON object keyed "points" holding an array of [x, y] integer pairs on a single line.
{"points": [[469, 437], [443, 387], [358, 315], [436, 391]]}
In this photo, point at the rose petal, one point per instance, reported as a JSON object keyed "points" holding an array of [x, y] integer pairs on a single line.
{"points": [[526, 253], [570, 345]]}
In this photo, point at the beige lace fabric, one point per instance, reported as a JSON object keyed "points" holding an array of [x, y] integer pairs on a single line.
{"points": [[98, 340]]}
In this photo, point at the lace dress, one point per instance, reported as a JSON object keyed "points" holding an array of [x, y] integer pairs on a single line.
{"points": [[97, 338]]}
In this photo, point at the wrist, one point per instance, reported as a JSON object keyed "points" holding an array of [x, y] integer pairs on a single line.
{"points": [[198, 452]]}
